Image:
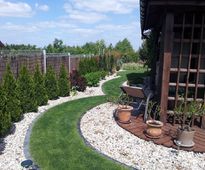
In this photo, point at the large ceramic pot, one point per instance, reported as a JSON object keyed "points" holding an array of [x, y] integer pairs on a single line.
{"points": [[185, 137], [154, 128], [124, 113]]}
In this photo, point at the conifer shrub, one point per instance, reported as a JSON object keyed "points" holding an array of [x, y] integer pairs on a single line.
{"points": [[5, 118], [39, 87], [77, 81], [88, 65], [12, 102], [63, 82], [25, 88], [51, 84]]}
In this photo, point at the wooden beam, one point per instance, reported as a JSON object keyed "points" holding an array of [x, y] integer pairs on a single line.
{"points": [[176, 3], [167, 53]]}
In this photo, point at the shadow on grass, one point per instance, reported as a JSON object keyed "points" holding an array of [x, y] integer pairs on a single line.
{"points": [[136, 78]]}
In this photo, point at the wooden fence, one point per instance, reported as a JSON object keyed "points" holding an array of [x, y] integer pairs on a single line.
{"points": [[31, 58]]}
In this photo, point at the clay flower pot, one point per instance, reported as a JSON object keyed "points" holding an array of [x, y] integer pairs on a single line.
{"points": [[154, 128], [185, 137], [124, 113]]}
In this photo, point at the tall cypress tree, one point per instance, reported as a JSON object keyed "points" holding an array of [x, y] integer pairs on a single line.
{"points": [[63, 82], [51, 84], [26, 93], [39, 88], [12, 101], [5, 118]]}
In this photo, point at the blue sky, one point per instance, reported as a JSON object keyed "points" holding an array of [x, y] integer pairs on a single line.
{"points": [[73, 21]]}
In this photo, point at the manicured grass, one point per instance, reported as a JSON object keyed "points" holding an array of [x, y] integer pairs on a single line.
{"points": [[55, 142]]}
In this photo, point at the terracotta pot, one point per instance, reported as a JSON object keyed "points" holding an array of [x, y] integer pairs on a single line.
{"points": [[185, 137], [154, 128], [124, 113]]}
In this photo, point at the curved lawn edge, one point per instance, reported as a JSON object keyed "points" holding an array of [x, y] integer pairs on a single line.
{"points": [[80, 155], [26, 149]]}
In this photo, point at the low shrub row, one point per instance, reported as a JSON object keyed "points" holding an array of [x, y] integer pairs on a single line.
{"points": [[27, 92], [93, 78]]}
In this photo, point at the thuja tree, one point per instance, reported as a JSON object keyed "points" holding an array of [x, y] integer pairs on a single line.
{"points": [[5, 118], [12, 101], [39, 87], [63, 82], [51, 84], [26, 93]]}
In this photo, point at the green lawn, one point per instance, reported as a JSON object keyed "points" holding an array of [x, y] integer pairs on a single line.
{"points": [[55, 142]]}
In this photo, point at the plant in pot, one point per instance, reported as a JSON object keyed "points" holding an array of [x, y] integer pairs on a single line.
{"points": [[124, 110], [185, 112], [154, 127]]}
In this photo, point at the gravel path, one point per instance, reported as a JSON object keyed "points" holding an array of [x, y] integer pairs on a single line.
{"points": [[100, 129], [17, 143]]}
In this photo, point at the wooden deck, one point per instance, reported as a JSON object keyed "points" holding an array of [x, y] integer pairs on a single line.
{"points": [[137, 127]]}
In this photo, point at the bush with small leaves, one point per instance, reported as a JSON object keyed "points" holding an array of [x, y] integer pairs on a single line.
{"points": [[25, 88], [5, 118], [51, 84], [39, 87], [92, 79], [12, 101], [63, 82]]}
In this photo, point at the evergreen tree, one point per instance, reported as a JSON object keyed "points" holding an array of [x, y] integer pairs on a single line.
{"points": [[5, 118], [63, 82], [51, 84], [39, 88], [12, 101], [26, 93]]}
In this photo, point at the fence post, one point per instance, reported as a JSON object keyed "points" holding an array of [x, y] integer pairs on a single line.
{"points": [[44, 61], [69, 63]]}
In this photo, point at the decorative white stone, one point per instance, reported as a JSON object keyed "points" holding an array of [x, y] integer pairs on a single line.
{"points": [[100, 129], [13, 154]]}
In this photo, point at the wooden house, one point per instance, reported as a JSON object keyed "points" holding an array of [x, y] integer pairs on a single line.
{"points": [[179, 65]]}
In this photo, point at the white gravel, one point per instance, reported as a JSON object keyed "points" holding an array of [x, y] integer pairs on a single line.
{"points": [[100, 129], [14, 154]]}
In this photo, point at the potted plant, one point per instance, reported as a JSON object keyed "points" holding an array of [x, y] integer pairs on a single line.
{"points": [[123, 110], [185, 112], [154, 127]]}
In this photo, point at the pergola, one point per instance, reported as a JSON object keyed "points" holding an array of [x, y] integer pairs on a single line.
{"points": [[179, 68]]}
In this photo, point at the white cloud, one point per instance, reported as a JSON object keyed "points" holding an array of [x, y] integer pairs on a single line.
{"points": [[42, 7], [15, 9], [104, 6]]}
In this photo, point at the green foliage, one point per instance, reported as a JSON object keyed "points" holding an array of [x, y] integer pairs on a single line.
{"points": [[5, 118], [39, 88], [88, 65], [147, 52], [63, 82], [25, 88], [12, 102], [51, 84], [124, 47], [93, 78]]}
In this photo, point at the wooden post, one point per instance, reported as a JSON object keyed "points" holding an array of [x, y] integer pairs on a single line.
{"points": [[167, 54], [44, 61]]}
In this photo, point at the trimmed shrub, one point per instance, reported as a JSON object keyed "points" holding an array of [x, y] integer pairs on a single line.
{"points": [[39, 87], [92, 79], [5, 118], [77, 81], [51, 84], [63, 82], [12, 102], [25, 88]]}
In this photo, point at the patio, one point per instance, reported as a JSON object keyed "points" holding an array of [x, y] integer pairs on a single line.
{"points": [[137, 127]]}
